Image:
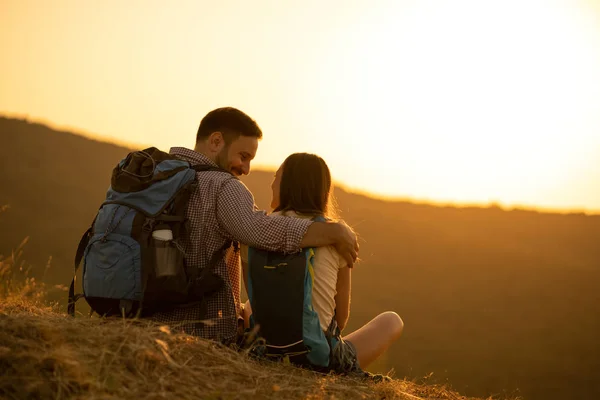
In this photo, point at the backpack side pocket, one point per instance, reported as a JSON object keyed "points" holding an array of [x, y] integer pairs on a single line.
{"points": [[112, 272]]}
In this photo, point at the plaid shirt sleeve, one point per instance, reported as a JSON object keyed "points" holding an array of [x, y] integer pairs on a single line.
{"points": [[242, 221]]}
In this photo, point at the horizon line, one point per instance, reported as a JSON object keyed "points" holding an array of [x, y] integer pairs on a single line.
{"points": [[109, 139]]}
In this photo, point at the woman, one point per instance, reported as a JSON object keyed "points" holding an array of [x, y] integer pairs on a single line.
{"points": [[302, 189]]}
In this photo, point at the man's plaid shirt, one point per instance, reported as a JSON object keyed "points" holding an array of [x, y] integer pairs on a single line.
{"points": [[222, 209]]}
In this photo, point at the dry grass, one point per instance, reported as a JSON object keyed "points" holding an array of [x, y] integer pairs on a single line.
{"points": [[45, 354]]}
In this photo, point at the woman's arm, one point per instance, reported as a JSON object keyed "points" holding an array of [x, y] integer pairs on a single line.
{"points": [[246, 309], [342, 297], [244, 259]]}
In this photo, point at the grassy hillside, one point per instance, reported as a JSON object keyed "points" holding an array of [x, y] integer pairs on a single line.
{"points": [[45, 354], [494, 301]]}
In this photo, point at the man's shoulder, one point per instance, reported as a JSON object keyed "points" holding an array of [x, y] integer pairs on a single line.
{"points": [[224, 184], [212, 173], [221, 179]]}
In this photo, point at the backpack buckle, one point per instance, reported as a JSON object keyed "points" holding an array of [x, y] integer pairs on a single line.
{"points": [[148, 225]]}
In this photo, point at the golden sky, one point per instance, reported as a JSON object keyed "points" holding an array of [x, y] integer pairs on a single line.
{"points": [[463, 101]]}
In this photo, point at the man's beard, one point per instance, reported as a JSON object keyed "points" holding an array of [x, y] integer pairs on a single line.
{"points": [[221, 160]]}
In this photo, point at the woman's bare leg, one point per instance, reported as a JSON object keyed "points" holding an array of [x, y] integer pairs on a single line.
{"points": [[246, 312], [376, 337]]}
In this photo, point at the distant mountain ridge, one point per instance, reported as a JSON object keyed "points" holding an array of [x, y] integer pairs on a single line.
{"points": [[493, 300]]}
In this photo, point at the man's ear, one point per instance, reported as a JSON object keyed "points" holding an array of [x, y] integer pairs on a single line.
{"points": [[216, 141]]}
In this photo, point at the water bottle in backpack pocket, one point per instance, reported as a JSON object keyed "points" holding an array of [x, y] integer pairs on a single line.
{"points": [[168, 280], [165, 252]]}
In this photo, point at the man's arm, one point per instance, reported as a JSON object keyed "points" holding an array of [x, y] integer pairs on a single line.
{"points": [[340, 235], [239, 217], [242, 221]]}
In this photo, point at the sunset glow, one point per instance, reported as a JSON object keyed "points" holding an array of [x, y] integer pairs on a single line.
{"points": [[452, 102]]}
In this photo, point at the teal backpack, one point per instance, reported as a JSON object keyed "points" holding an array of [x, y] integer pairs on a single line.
{"points": [[132, 254], [280, 292]]}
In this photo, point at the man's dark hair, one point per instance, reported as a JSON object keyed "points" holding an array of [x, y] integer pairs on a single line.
{"points": [[231, 122]]}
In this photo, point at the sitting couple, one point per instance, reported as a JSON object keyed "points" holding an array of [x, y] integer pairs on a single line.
{"points": [[222, 211]]}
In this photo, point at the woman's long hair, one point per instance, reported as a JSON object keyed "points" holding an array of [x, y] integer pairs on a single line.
{"points": [[306, 186]]}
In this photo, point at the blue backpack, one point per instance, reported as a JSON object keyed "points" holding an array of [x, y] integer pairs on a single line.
{"points": [[133, 263], [280, 292]]}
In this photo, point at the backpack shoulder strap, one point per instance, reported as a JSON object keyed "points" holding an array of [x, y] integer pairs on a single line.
{"points": [[206, 281], [207, 167], [320, 218], [85, 239]]}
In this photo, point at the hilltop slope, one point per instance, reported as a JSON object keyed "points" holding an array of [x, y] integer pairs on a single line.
{"points": [[493, 300], [46, 355]]}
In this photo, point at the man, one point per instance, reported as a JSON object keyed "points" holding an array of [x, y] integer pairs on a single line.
{"points": [[222, 210]]}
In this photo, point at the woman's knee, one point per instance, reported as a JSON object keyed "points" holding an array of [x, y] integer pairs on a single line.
{"points": [[394, 324]]}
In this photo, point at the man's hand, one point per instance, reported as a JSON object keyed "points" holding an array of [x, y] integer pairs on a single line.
{"points": [[347, 244], [338, 234]]}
